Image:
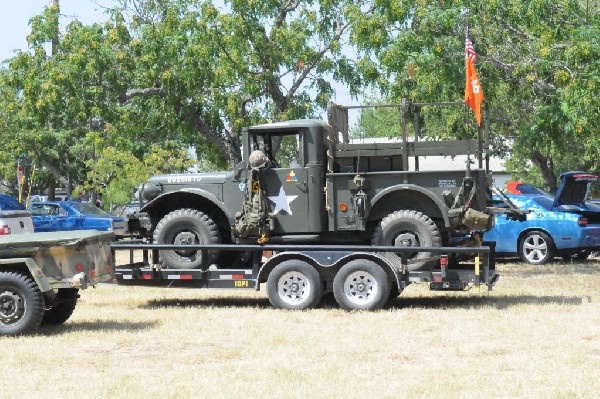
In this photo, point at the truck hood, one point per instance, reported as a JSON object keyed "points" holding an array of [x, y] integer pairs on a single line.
{"points": [[187, 178], [154, 187]]}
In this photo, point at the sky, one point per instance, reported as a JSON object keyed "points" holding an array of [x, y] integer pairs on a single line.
{"points": [[14, 19]]}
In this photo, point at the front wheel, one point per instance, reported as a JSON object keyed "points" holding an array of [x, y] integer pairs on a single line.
{"points": [[294, 284], [536, 248], [186, 227], [361, 285], [21, 304]]}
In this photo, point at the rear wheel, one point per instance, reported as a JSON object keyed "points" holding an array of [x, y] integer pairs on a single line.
{"points": [[63, 307], [536, 248], [183, 227], [408, 228], [21, 304], [294, 284], [361, 284]]}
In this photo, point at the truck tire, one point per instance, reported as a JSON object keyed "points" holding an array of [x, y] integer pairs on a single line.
{"points": [[407, 228], [186, 226], [294, 284], [65, 302], [21, 304], [361, 285], [536, 248]]}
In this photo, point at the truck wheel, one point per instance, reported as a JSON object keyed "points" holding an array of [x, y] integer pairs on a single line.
{"points": [[21, 304], [408, 228], [64, 305], [294, 284], [361, 285], [186, 226], [536, 248]]}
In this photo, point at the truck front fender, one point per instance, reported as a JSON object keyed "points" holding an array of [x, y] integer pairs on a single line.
{"points": [[407, 196], [186, 198]]}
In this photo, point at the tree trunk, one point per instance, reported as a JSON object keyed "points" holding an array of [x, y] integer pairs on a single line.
{"points": [[546, 165]]}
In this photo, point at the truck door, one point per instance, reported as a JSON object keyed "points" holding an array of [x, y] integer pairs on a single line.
{"points": [[285, 183]]}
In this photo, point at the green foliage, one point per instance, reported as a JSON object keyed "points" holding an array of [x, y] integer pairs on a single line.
{"points": [[537, 61]]}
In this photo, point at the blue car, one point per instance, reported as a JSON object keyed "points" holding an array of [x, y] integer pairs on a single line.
{"points": [[73, 215], [565, 224]]}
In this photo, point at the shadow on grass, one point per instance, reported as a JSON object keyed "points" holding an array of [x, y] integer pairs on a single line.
{"points": [[398, 303], [97, 326], [234, 302], [503, 302]]}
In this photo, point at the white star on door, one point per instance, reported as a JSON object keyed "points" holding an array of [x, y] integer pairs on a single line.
{"points": [[282, 202]]}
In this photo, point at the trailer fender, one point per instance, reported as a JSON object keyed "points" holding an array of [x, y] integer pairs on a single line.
{"points": [[407, 196], [328, 263], [30, 267]]}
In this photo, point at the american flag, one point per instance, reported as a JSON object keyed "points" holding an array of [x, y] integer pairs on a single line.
{"points": [[470, 50]]}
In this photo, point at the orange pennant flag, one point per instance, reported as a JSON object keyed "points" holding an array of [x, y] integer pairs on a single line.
{"points": [[473, 90]]}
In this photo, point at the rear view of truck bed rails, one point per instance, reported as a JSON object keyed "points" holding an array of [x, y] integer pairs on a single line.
{"points": [[297, 276]]}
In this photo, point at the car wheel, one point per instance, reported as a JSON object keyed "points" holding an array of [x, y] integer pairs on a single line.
{"points": [[408, 228], [536, 248], [182, 227]]}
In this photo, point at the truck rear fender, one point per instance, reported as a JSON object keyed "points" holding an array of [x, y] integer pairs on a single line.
{"points": [[327, 264], [28, 267], [408, 196], [189, 198]]}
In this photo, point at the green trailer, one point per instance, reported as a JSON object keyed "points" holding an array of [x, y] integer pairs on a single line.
{"points": [[41, 275]]}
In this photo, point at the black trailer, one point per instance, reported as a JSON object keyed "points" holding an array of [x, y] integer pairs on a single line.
{"points": [[297, 276]]}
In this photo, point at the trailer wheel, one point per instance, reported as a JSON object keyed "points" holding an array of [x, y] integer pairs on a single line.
{"points": [[62, 309], [294, 284], [408, 228], [186, 226], [21, 304], [536, 248], [361, 285]]}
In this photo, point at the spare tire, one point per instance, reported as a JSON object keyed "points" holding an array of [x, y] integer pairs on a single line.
{"points": [[186, 226], [408, 228]]}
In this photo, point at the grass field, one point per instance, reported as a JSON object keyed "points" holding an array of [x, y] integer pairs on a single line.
{"points": [[537, 335]]}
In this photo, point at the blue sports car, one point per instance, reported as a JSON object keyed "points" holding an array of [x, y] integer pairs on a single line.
{"points": [[565, 224], [73, 215]]}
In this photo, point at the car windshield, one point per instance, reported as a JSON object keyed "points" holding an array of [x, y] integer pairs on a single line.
{"points": [[545, 202], [87, 208], [8, 203]]}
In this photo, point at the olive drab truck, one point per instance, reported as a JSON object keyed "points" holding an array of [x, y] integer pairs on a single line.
{"points": [[41, 275], [304, 183]]}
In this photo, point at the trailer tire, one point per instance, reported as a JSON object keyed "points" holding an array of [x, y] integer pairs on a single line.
{"points": [[294, 284], [62, 309], [21, 304], [536, 248], [186, 226], [361, 285], [408, 228]]}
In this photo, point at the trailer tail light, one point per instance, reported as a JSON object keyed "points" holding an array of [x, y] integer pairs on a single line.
{"points": [[5, 230], [582, 222]]}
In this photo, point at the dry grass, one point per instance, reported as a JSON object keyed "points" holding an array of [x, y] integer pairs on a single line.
{"points": [[537, 335]]}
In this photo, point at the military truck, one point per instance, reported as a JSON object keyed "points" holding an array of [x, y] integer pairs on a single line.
{"points": [[41, 275], [305, 183]]}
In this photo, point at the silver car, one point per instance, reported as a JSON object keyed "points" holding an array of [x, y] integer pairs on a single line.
{"points": [[14, 218]]}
